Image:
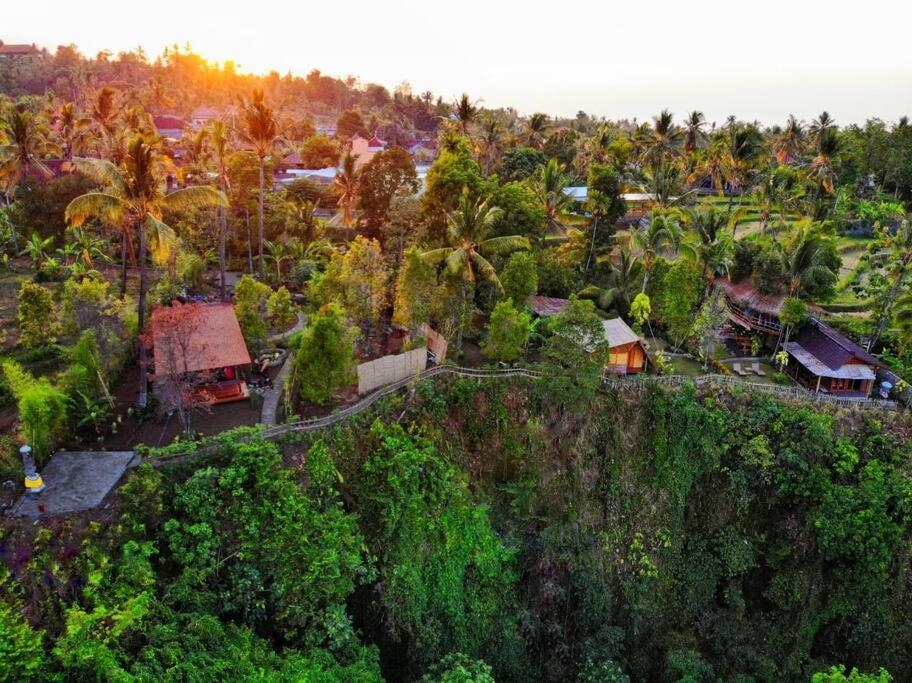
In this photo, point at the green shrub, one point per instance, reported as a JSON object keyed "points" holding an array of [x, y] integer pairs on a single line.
{"points": [[251, 305], [282, 312], [37, 316]]}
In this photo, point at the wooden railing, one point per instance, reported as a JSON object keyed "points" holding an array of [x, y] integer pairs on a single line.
{"points": [[616, 383]]}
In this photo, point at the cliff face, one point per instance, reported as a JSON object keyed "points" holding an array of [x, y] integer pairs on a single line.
{"points": [[642, 535]]}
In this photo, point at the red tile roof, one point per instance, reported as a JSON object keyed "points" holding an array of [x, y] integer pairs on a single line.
{"points": [[168, 122], [215, 340], [17, 49]]}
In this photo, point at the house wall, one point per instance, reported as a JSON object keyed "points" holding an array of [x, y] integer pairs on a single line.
{"points": [[389, 369], [625, 359]]}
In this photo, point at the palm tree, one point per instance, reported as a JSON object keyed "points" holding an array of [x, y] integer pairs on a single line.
{"points": [[663, 181], [822, 123], [790, 142], [281, 251], [549, 183], [621, 287], [665, 139], [744, 145], [261, 131], [535, 128], [598, 206], [490, 140], [806, 260], [465, 111], [467, 233], [822, 168], [219, 142], [28, 138], [899, 259], [134, 197], [708, 245], [346, 181], [662, 232], [104, 118], [71, 129], [711, 165], [903, 318], [693, 131]]}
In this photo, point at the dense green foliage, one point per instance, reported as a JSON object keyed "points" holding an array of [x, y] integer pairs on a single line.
{"points": [[648, 536]]}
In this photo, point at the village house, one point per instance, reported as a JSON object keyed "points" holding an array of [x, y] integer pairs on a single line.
{"points": [[820, 358], [13, 51], [205, 341], [364, 149], [202, 117], [626, 354], [823, 360], [170, 127]]}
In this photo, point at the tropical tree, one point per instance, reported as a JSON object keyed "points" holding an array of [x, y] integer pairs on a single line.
{"points": [[134, 198], [535, 128], [346, 181], [465, 111], [790, 142], [261, 131], [72, 129], [28, 139], [809, 262], [622, 285], [662, 232], [468, 228], [693, 131], [664, 140], [744, 146], [36, 248], [491, 141], [549, 183], [897, 252], [219, 142], [822, 168]]}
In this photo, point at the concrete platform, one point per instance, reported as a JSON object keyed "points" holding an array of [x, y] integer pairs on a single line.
{"points": [[75, 481]]}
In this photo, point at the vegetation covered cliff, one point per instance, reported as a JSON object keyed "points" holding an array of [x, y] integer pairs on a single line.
{"points": [[477, 530]]}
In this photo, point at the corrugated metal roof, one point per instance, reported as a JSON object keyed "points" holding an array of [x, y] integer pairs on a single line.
{"points": [[546, 306], [618, 333], [830, 347], [820, 369]]}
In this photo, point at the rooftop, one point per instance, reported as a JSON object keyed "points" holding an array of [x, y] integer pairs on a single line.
{"points": [[618, 333], [546, 306], [213, 339], [831, 349]]}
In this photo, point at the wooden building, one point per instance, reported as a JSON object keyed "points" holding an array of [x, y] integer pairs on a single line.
{"points": [[823, 360], [626, 355], [202, 341]]}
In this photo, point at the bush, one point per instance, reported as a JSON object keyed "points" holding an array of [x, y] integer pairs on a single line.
{"points": [[251, 305], [520, 277], [37, 316], [191, 269], [508, 332], [324, 360], [282, 312], [42, 409]]}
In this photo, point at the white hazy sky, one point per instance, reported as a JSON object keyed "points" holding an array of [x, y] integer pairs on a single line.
{"points": [[758, 60]]}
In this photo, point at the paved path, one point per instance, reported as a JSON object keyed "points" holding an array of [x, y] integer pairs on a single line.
{"points": [[75, 481], [282, 336], [274, 393]]}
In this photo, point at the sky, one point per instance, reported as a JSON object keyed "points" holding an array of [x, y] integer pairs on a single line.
{"points": [[759, 60]]}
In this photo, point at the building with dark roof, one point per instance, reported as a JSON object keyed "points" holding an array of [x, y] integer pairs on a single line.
{"points": [[822, 359]]}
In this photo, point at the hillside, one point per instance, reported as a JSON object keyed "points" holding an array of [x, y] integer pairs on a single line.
{"points": [[641, 535]]}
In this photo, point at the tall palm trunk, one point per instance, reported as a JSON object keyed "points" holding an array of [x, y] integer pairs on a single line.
{"points": [[260, 209], [15, 235], [123, 264], [592, 243], [141, 316], [223, 238]]}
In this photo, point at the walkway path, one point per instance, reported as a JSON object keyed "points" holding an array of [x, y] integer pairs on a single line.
{"points": [[274, 393], [282, 336], [638, 382]]}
